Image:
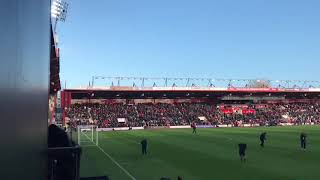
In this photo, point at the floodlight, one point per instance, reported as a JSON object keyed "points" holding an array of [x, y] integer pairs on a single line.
{"points": [[59, 11]]}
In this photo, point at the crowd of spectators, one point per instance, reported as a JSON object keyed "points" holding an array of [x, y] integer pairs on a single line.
{"points": [[164, 114]]}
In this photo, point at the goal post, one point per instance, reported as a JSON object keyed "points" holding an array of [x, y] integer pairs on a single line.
{"points": [[97, 137], [87, 135]]}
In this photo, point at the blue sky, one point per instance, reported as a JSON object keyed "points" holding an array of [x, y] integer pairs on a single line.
{"points": [[273, 39]]}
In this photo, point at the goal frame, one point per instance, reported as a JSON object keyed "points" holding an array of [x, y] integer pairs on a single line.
{"points": [[94, 133]]}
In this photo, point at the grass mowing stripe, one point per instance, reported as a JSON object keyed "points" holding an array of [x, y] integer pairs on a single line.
{"points": [[129, 140], [113, 160]]}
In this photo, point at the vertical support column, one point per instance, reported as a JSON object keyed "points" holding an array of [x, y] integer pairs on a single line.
{"points": [[24, 88], [63, 105], [78, 131], [92, 83], [97, 138], [92, 133]]}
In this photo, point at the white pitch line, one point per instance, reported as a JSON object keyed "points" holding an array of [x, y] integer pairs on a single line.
{"points": [[114, 161], [88, 145]]}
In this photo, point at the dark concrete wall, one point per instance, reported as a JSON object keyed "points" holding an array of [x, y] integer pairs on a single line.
{"points": [[24, 82]]}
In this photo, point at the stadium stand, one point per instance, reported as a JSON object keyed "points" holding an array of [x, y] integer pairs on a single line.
{"points": [[165, 114]]}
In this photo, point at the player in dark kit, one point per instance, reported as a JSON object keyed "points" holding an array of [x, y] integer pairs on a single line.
{"points": [[263, 138], [303, 141], [194, 127], [144, 145], [242, 152]]}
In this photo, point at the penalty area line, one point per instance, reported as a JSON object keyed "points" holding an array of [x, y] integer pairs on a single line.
{"points": [[114, 161]]}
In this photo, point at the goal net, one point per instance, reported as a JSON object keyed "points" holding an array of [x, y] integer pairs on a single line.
{"points": [[87, 135]]}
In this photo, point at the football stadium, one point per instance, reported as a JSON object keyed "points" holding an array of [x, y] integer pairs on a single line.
{"points": [[110, 122], [160, 90], [185, 128]]}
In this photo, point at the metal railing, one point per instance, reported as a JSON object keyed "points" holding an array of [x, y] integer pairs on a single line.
{"points": [[198, 82]]}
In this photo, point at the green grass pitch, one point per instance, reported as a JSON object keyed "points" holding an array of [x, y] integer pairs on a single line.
{"points": [[211, 154]]}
